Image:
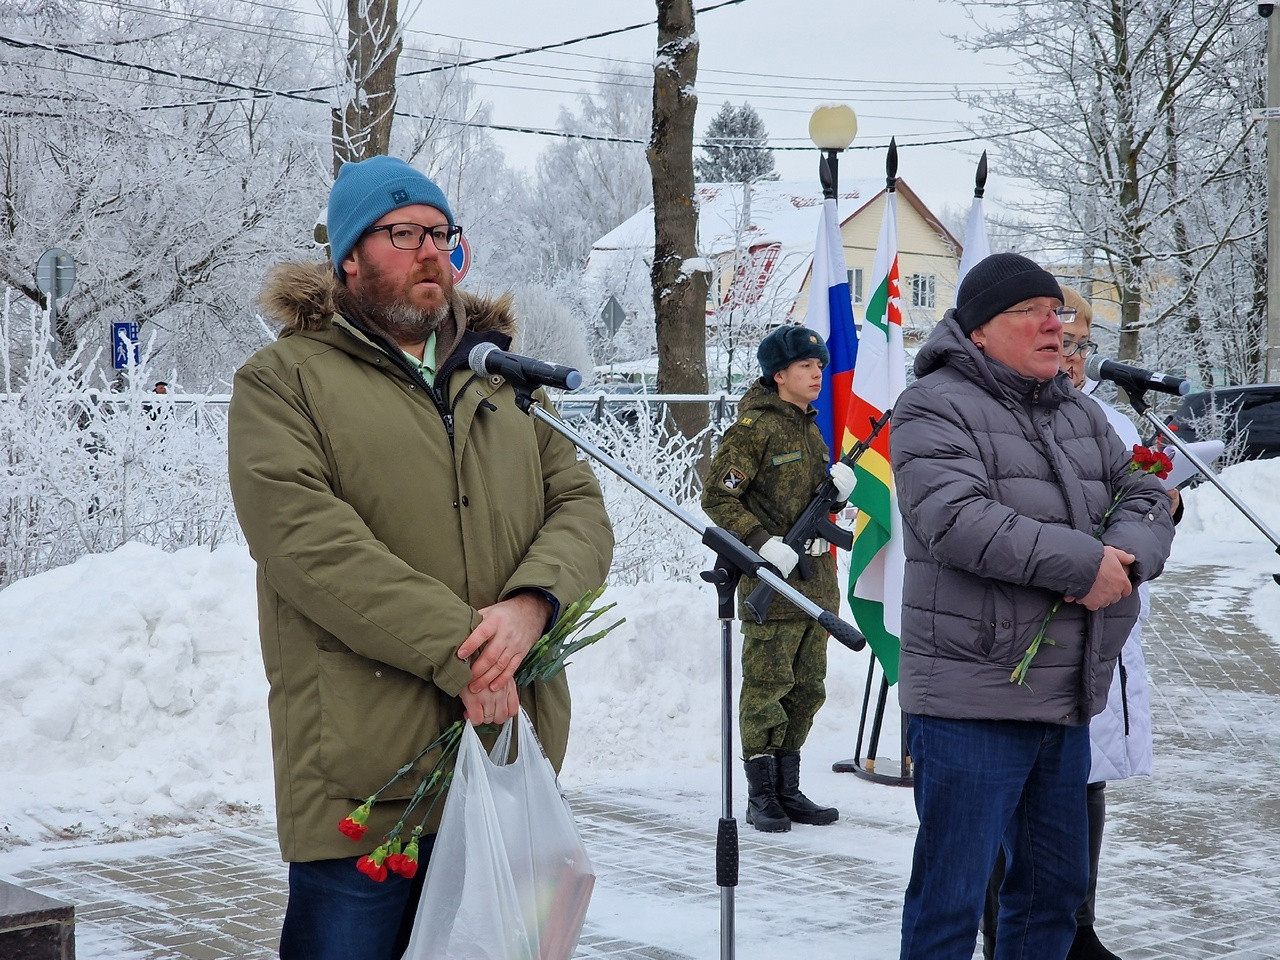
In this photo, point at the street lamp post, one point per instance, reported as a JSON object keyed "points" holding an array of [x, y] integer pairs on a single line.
{"points": [[832, 128]]}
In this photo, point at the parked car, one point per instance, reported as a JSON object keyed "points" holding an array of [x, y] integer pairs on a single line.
{"points": [[1253, 410]]}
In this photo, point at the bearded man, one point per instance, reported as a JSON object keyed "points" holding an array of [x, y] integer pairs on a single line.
{"points": [[414, 534]]}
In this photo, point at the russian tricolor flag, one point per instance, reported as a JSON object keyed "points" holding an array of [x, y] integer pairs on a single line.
{"points": [[831, 315]]}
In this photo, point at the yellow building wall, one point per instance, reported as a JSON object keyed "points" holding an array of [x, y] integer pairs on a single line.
{"points": [[921, 250]]}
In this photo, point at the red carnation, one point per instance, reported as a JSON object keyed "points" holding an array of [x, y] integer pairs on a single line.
{"points": [[401, 864], [352, 829], [355, 825], [371, 868], [1146, 460]]}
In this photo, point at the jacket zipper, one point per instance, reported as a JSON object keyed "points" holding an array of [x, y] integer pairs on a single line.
{"points": [[398, 358], [1124, 693]]}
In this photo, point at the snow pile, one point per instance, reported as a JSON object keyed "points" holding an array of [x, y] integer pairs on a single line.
{"points": [[1255, 482], [135, 695], [134, 692]]}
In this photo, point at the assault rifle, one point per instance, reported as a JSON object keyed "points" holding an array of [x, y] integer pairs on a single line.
{"points": [[815, 521]]}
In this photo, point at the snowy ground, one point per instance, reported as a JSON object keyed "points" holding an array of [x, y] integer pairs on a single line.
{"points": [[135, 701]]}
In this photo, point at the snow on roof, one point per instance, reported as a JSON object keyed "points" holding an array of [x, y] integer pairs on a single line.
{"points": [[780, 225], [781, 212]]}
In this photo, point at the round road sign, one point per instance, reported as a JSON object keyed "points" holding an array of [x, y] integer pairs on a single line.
{"points": [[460, 257], [55, 273]]}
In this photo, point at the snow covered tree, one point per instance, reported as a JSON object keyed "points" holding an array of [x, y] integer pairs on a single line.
{"points": [[588, 183], [368, 43], [169, 191], [735, 148], [678, 274], [440, 129], [549, 329], [1148, 170]]}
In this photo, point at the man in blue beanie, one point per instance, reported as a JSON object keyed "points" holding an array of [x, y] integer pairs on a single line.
{"points": [[415, 534], [763, 476]]}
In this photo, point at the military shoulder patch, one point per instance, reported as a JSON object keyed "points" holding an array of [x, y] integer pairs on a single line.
{"points": [[747, 420], [734, 478]]}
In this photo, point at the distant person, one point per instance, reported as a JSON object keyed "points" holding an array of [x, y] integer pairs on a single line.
{"points": [[1004, 472], [415, 533], [153, 410], [763, 475], [1120, 736]]}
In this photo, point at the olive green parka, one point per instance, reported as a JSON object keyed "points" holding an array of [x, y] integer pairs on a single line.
{"points": [[381, 515]]}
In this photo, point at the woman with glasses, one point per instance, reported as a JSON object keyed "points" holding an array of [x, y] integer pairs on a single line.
{"points": [[1004, 472]]}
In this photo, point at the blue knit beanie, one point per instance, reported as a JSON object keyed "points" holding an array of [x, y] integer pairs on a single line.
{"points": [[366, 191], [787, 344]]}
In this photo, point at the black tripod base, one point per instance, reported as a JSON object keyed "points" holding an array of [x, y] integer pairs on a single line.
{"points": [[865, 769]]}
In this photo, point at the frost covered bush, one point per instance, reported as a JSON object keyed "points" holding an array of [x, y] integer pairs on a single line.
{"points": [[87, 465], [650, 543]]}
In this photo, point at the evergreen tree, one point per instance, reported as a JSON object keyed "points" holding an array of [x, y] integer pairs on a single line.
{"points": [[735, 148]]}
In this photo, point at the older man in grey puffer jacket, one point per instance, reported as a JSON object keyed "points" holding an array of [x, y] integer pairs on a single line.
{"points": [[1004, 475]]}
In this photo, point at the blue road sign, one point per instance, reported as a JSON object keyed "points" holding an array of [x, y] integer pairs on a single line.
{"points": [[124, 345]]}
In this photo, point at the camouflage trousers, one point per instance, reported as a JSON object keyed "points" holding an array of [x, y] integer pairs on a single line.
{"points": [[784, 669]]}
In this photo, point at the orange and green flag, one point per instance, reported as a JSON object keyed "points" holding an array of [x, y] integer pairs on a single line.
{"points": [[876, 562]]}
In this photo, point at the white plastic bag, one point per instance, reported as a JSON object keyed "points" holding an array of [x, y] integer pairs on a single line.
{"points": [[509, 878]]}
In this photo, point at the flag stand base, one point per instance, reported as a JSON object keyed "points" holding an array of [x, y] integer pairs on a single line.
{"points": [[865, 766]]}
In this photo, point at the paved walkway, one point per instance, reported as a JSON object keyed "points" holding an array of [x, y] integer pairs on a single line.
{"points": [[1191, 863]]}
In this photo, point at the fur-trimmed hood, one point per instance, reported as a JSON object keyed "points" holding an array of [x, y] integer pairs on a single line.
{"points": [[305, 296]]}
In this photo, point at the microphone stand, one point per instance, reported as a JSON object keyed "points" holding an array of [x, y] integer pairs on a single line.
{"points": [[1138, 400], [733, 559]]}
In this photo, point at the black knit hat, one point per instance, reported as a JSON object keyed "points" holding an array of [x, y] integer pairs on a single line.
{"points": [[996, 283], [787, 344]]}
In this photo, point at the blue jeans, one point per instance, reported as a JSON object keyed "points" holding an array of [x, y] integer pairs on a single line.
{"points": [[980, 784], [335, 912]]}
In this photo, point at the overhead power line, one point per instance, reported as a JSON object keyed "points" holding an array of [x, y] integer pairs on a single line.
{"points": [[255, 91]]}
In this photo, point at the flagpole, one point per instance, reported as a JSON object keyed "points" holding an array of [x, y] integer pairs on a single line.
{"points": [[876, 387], [976, 245], [829, 313]]}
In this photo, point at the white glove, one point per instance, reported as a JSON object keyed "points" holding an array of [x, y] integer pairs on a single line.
{"points": [[777, 553], [842, 477], [816, 547]]}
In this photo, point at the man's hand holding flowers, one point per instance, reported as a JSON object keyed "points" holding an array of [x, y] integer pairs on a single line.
{"points": [[1112, 582], [507, 630]]}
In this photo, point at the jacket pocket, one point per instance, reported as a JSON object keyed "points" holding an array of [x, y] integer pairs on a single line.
{"points": [[1007, 640], [373, 720]]}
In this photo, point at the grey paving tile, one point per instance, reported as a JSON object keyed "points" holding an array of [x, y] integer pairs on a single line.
{"points": [[1191, 864]]}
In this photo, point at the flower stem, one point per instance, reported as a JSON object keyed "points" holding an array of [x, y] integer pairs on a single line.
{"points": [[1019, 674]]}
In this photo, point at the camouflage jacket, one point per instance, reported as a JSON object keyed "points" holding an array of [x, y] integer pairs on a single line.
{"points": [[762, 477]]}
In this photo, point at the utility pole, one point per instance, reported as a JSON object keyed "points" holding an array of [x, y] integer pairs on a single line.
{"points": [[1272, 115]]}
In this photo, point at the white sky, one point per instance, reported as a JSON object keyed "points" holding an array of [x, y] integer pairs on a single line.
{"points": [[893, 63]]}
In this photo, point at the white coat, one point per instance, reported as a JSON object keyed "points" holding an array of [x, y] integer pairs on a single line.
{"points": [[1121, 734]]}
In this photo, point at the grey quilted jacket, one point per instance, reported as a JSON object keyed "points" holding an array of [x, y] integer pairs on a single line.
{"points": [[1002, 481]]}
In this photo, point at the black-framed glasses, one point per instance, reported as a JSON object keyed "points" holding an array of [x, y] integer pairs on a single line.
{"points": [[1065, 314], [411, 236], [1084, 348]]}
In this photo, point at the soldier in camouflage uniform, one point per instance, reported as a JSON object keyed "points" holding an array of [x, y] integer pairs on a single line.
{"points": [[762, 477]]}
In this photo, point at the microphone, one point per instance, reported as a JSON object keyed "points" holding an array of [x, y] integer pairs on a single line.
{"points": [[1133, 379], [486, 358]]}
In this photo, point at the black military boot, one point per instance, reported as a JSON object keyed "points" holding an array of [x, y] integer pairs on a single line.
{"points": [[1087, 946], [795, 804], [763, 811]]}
